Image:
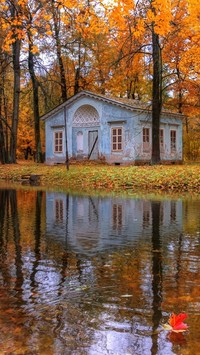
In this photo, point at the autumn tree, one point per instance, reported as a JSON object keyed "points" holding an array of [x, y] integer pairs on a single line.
{"points": [[33, 16], [156, 85], [3, 121], [11, 12], [56, 12]]}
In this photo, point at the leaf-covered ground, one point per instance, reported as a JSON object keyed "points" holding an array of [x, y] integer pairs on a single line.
{"points": [[86, 176]]}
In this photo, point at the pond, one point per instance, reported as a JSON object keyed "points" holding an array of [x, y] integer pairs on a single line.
{"points": [[97, 274]]}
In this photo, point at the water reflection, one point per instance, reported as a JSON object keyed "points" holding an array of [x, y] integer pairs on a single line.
{"points": [[94, 275], [91, 225]]}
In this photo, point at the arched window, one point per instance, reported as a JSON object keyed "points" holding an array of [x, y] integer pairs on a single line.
{"points": [[86, 116]]}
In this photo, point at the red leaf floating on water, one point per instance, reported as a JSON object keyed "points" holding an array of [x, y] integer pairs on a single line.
{"points": [[176, 322]]}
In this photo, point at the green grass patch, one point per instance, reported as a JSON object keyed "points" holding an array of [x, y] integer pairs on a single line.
{"points": [[86, 176]]}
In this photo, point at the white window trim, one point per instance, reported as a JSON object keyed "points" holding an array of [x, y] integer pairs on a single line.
{"points": [[54, 141], [122, 142]]}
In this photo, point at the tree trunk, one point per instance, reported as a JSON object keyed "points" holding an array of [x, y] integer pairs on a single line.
{"points": [[6, 135], [16, 46], [56, 19], [2, 141], [76, 83], [38, 156], [180, 91], [156, 97], [78, 70]]}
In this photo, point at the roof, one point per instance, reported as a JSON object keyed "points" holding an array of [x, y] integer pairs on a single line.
{"points": [[129, 104]]}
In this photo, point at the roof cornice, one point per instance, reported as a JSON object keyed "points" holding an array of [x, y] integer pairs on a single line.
{"points": [[114, 101]]}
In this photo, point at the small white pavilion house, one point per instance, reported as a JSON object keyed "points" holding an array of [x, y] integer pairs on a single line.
{"points": [[117, 131]]}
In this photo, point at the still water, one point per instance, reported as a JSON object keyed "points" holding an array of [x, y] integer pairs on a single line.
{"points": [[97, 275]]}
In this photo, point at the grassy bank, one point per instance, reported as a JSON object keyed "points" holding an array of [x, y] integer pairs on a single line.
{"points": [[86, 176]]}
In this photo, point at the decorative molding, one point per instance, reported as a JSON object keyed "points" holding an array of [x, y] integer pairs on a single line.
{"points": [[57, 126], [86, 116], [117, 122]]}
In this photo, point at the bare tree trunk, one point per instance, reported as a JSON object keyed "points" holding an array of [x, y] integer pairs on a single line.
{"points": [[2, 141], [16, 46], [76, 83], [35, 86], [78, 70], [180, 91], [56, 23], [156, 97]]}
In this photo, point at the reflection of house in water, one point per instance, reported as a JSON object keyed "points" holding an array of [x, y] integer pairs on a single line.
{"points": [[91, 224], [59, 203]]}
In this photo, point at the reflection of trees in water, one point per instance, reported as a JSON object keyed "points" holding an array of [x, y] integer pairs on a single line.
{"points": [[9, 211], [16, 235], [37, 240], [3, 210], [83, 294], [191, 221], [14, 317], [4, 215], [156, 273]]}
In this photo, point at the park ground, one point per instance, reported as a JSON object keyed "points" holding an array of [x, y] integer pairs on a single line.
{"points": [[87, 176]]}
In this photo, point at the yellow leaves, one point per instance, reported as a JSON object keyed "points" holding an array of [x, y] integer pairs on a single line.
{"points": [[33, 31], [34, 50], [16, 22], [150, 16], [47, 17], [22, 3], [126, 5], [194, 10], [48, 33], [70, 4], [139, 28], [5, 25], [160, 15]]}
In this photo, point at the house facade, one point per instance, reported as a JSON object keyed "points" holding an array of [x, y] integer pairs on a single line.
{"points": [[118, 131]]}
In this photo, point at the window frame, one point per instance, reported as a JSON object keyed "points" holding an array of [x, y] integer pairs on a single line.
{"points": [[117, 142], [58, 144], [173, 144], [162, 139], [145, 141]]}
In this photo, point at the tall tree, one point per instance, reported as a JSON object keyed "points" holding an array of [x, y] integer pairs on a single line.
{"points": [[12, 20], [15, 12], [32, 49], [2, 125], [156, 94], [2, 140], [56, 10]]}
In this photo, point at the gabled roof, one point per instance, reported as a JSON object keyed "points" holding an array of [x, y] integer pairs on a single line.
{"points": [[129, 104]]}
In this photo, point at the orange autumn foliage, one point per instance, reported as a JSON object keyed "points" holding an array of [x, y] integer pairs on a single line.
{"points": [[109, 45]]}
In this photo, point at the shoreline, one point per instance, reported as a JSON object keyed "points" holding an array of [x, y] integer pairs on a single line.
{"points": [[86, 176]]}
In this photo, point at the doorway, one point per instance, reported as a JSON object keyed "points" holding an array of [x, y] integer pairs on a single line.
{"points": [[93, 145]]}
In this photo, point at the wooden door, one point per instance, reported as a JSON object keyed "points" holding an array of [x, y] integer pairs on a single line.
{"points": [[93, 153]]}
